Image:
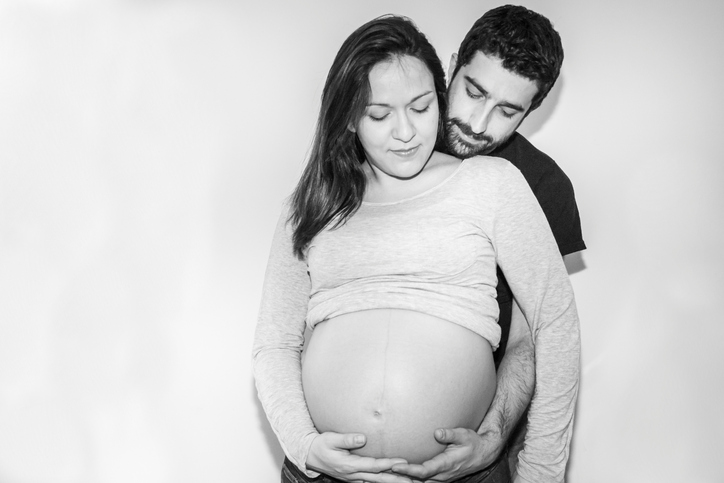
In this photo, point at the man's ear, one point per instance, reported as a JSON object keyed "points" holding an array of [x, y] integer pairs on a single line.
{"points": [[451, 68]]}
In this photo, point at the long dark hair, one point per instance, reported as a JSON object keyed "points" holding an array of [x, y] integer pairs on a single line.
{"points": [[333, 182]]}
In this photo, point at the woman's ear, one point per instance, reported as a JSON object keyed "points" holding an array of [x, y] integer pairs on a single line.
{"points": [[351, 128]]}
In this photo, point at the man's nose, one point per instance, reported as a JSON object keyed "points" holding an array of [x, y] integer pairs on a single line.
{"points": [[480, 119], [404, 130]]}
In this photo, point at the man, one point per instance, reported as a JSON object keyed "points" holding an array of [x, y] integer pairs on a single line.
{"points": [[505, 67]]}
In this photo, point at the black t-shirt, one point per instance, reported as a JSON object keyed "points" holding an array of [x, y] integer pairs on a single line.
{"points": [[554, 192]]}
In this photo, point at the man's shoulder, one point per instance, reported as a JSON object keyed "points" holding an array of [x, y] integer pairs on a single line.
{"points": [[551, 186], [535, 165]]}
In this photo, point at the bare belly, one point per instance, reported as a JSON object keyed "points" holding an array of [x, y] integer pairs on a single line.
{"points": [[396, 376]]}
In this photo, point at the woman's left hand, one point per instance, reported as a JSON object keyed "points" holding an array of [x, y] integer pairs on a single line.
{"points": [[330, 454], [466, 453]]}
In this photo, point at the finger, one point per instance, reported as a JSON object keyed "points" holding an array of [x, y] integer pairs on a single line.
{"points": [[413, 471], [367, 464], [349, 440], [452, 436], [425, 471], [380, 478]]}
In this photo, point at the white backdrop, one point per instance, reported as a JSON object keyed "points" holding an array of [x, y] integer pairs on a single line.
{"points": [[145, 148]]}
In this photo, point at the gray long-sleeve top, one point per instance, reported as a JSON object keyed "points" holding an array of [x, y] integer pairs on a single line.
{"points": [[435, 253]]}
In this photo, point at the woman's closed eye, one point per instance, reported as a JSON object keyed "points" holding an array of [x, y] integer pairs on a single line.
{"points": [[378, 117]]}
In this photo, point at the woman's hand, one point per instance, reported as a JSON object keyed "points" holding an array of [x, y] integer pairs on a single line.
{"points": [[330, 454], [466, 453]]}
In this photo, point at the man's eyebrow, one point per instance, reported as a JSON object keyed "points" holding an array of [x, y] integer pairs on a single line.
{"points": [[509, 105], [414, 99]]}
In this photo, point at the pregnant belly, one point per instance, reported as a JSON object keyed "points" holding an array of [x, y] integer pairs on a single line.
{"points": [[396, 376]]}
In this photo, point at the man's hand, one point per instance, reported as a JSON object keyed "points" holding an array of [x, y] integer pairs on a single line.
{"points": [[466, 453], [330, 454]]}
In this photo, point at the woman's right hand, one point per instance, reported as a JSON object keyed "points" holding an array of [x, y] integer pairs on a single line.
{"points": [[330, 454]]}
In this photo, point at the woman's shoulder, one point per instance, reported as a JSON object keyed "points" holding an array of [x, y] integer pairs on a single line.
{"points": [[490, 164], [446, 162], [443, 163], [481, 174], [490, 168]]}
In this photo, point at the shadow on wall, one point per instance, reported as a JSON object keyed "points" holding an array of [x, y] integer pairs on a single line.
{"points": [[536, 119], [574, 262]]}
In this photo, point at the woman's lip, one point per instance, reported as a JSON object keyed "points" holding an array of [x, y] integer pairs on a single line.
{"points": [[405, 152]]}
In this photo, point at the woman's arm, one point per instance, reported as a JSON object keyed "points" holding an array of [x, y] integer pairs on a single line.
{"points": [[278, 343], [529, 257], [276, 356]]}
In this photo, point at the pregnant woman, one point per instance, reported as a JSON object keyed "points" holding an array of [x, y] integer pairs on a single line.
{"points": [[387, 251]]}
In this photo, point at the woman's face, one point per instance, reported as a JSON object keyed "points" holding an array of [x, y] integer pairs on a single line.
{"points": [[398, 128]]}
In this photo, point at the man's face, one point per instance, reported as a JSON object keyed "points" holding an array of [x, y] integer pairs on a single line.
{"points": [[486, 104]]}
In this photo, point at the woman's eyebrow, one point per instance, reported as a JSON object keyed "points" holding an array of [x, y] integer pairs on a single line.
{"points": [[416, 98]]}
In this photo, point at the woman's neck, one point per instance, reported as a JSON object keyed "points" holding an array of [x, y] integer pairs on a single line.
{"points": [[383, 188]]}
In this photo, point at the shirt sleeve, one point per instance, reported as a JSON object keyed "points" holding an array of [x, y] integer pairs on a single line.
{"points": [[278, 343], [556, 197], [529, 257]]}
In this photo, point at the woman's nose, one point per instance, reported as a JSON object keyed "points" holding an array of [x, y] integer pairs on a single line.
{"points": [[404, 130]]}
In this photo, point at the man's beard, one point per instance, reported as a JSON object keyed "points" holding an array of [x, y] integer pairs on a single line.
{"points": [[464, 149]]}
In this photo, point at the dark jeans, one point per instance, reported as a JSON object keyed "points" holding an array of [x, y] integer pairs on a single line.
{"points": [[498, 472]]}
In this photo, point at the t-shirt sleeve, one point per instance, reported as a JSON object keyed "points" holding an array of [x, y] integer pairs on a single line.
{"points": [[528, 255], [555, 194], [278, 343]]}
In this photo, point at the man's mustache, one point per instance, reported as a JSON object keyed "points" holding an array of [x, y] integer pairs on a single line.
{"points": [[467, 130]]}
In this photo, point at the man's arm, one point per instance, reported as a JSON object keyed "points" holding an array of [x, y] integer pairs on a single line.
{"points": [[468, 451], [516, 382]]}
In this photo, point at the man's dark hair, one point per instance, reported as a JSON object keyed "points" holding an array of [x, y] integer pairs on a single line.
{"points": [[525, 42]]}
